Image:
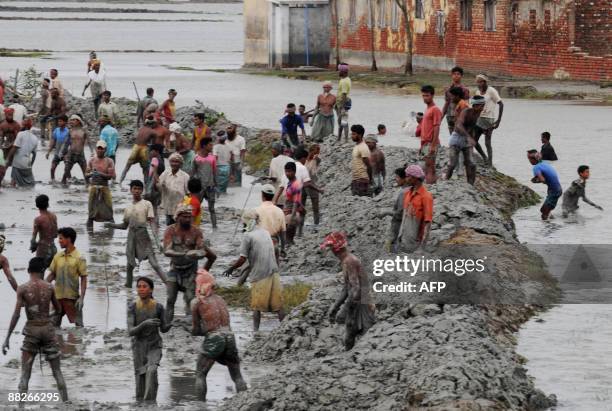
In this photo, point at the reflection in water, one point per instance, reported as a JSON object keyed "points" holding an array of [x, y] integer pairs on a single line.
{"points": [[69, 343]]}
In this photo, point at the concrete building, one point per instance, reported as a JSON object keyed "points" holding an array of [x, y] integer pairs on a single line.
{"points": [[540, 38], [287, 33]]}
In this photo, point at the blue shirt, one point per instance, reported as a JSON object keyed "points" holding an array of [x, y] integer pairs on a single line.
{"points": [[290, 124], [110, 135], [60, 135], [550, 176]]}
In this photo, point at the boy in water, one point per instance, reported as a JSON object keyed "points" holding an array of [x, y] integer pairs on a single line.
{"points": [[576, 191]]}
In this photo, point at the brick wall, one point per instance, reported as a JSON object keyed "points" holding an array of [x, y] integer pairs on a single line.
{"points": [[541, 46]]}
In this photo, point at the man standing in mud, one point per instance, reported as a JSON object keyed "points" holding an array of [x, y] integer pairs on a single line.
{"points": [[139, 243], [146, 318], [108, 108], [258, 250], [184, 244], [59, 139], [486, 122], [69, 271], [96, 84], [289, 127], [545, 173], [377, 160], [76, 148], [145, 136], [238, 145], [358, 312], [361, 168], [5, 266], [9, 129], [430, 134], [100, 169], [45, 228], [398, 210], [36, 296], [173, 186], [168, 109], [210, 318], [418, 208], [143, 104], [462, 140]]}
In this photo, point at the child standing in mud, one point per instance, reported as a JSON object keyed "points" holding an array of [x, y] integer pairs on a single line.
{"points": [[45, 228], [146, 318]]}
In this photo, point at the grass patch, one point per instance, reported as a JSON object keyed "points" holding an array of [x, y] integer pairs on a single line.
{"points": [[31, 54], [258, 156], [240, 296]]}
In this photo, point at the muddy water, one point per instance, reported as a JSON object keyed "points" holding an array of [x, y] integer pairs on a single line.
{"points": [[102, 350]]}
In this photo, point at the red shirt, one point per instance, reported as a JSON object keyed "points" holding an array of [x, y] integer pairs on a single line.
{"points": [[431, 119]]}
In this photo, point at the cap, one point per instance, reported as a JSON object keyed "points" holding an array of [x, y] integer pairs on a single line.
{"points": [[101, 143], [268, 189]]}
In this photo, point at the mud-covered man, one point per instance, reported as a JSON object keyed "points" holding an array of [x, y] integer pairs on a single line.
{"points": [[184, 244], [36, 296], [100, 169], [139, 154], [5, 266], [45, 229], [76, 147], [357, 311], [146, 318], [210, 318]]}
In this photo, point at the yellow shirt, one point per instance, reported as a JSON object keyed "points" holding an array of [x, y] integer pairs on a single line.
{"points": [[68, 269], [271, 218], [344, 86], [358, 168]]}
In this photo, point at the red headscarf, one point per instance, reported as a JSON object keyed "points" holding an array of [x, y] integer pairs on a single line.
{"points": [[336, 240], [9, 111]]}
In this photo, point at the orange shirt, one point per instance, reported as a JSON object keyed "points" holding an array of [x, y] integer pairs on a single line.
{"points": [[460, 107], [419, 205]]}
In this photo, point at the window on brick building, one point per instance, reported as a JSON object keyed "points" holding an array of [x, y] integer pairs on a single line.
{"points": [[352, 12], [465, 14], [440, 23], [515, 18], [419, 9], [489, 15], [395, 15], [382, 13]]}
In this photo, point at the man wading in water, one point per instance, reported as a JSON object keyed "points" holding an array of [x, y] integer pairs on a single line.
{"points": [[546, 174], [76, 148], [211, 319], [135, 218], [37, 296], [357, 312], [146, 318], [184, 244], [45, 227], [100, 169], [577, 191]]}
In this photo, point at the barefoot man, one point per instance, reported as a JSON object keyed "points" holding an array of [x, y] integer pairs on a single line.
{"points": [[4, 264], [36, 296], [45, 227]]}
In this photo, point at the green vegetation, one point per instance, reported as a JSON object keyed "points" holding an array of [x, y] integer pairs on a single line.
{"points": [[213, 117], [31, 54], [258, 156], [240, 296]]}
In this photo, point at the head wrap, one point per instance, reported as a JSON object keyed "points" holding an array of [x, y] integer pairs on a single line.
{"points": [[371, 137], [175, 127], [482, 77], [182, 209], [250, 218], [176, 156], [9, 111], [278, 146], [2, 242], [415, 171], [205, 283], [327, 84], [336, 241], [343, 68], [268, 189], [76, 117], [477, 100]]}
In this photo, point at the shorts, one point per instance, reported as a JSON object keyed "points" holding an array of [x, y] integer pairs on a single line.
{"points": [[69, 308], [184, 278], [485, 123], [75, 158], [360, 187], [140, 155], [57, 159], [40, 339], [267, 294], [552, 198], [221, 347]]}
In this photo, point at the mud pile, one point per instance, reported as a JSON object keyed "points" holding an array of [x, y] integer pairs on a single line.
{"points": [[445, 356]]}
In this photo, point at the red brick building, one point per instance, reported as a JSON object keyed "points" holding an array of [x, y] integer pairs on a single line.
{"points": [[536, 38]]}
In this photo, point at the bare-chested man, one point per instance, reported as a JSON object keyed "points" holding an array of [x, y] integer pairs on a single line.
{"points": [[140, 154], [462, 139], [4, 264], [210, 318], [76, 147], [162, 134], [377, 159], [357, 312], [184, 244], [100, 169], [45, 228], [8, 131], [36, 296]]}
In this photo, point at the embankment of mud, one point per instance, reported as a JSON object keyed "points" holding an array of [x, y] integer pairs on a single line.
{"points": [[417, 355]]}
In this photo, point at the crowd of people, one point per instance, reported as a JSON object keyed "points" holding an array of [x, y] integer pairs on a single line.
{"points": [[200, 167]]}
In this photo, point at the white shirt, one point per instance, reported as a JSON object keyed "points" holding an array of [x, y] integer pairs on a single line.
{"points": [[26, 144], [301, 174], [98, 82], [20, 112], [237, 145], [491, 97], [277, 168]]}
